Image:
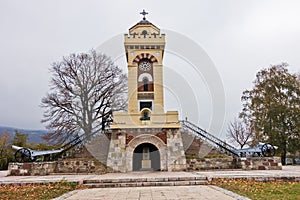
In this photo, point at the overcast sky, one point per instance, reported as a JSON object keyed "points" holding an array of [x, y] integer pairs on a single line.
{"points": [[240, 37]]}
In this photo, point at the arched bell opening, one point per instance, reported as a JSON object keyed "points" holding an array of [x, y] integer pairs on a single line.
{"points": [[146, 157], [145, 82]]}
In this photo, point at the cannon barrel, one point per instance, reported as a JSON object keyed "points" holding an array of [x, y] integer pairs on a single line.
{"points": [[14, 147]]}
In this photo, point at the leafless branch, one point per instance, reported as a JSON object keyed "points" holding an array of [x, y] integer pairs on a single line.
{"points": [[84, 91], [240, 133]]}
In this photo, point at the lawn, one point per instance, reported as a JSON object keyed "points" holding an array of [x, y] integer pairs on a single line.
{"points": [[47, 191], [262, 190]]}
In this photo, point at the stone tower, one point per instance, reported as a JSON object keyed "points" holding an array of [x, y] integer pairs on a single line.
{"points": [[147, 137]]}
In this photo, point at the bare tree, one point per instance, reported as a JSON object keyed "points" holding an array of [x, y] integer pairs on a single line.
{"points": [[84, 91], [239, 132]]}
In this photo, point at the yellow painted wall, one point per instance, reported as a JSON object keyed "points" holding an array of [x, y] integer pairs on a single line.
{"points": [[158, 116]]}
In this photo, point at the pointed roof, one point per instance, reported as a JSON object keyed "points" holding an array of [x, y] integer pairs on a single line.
{"points": [[144, 21]]}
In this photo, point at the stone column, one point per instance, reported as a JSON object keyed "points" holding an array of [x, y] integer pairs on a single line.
{"points": [[116, 158], [176, 156]]}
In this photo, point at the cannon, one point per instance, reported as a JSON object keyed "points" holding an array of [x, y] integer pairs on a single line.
{"points": [[28, 155], [262, 149], [24, 154]]}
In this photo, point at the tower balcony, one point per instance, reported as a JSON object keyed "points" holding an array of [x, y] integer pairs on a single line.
{"points": [[122, 120]]}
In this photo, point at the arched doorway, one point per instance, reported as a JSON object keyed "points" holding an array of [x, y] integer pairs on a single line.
{"points": [[146, 157]]}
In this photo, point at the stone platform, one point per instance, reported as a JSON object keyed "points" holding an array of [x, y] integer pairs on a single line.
{"points": [[288, 173]]}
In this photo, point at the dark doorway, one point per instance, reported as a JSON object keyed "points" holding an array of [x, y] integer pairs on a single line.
{"points": [[146, 157]]}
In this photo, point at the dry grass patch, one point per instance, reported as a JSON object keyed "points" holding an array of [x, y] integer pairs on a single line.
{"points": [[262, 190], [45, 191]]}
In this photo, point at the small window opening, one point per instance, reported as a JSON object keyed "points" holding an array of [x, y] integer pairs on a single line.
{"points": [[147, 104], [146, 84]]}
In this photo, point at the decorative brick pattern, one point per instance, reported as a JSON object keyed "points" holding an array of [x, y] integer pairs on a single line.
{"points": [[143, 56], [128, 138], [162, 136]]}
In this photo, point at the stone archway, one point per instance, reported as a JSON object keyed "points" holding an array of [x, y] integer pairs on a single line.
{"points": [[152, 142], [146, 157]]}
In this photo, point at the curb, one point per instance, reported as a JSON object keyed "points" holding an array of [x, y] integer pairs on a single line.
{"points": [[66, 195], [229, 193]]}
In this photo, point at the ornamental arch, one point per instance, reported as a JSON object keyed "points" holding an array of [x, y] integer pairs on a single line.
{"points": [[143, 56], [143, 140]]}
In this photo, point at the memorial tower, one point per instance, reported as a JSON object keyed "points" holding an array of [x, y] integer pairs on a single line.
{"points": [[146, 137]]}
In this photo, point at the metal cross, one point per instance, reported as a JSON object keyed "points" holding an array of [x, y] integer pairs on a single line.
{"points": [[134, 34], [154, 34], [144, 13]]}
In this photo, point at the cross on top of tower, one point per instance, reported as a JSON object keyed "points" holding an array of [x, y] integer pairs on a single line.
{"points": [[144, 13]]}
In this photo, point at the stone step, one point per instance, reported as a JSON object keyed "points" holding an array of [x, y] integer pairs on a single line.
{"points": [[145, 182]]}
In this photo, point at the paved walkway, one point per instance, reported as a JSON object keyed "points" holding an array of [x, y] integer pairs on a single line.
{"points": [[157, 193], [287, 171], [173, 192]]}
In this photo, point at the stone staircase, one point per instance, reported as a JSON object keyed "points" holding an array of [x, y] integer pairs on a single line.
{"points": [[145, 182], [98, 147], [196, 147]]}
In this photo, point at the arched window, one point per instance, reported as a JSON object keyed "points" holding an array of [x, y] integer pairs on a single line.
{"points": [[145, 75], [146, 84]]}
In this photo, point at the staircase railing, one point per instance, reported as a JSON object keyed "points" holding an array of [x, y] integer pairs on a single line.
{"points": [[226, 148], [79, 140]]}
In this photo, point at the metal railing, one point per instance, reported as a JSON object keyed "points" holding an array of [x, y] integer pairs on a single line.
{"points": [[211, 139]]}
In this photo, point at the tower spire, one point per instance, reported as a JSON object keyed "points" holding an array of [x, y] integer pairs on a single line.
{"points": [[144, 13]]}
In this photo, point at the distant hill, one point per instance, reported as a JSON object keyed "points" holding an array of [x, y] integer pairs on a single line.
{"points": [[33, 135]]}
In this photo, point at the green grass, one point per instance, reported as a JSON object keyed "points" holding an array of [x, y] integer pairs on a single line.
{"points": [[47, 191], [262, 190]]}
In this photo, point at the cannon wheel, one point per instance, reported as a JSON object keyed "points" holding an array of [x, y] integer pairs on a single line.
{"points": [[268, 150], [23, 155]]}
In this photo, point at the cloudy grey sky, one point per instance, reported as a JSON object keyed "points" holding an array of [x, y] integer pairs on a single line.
{"points": [[239, 36]]}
